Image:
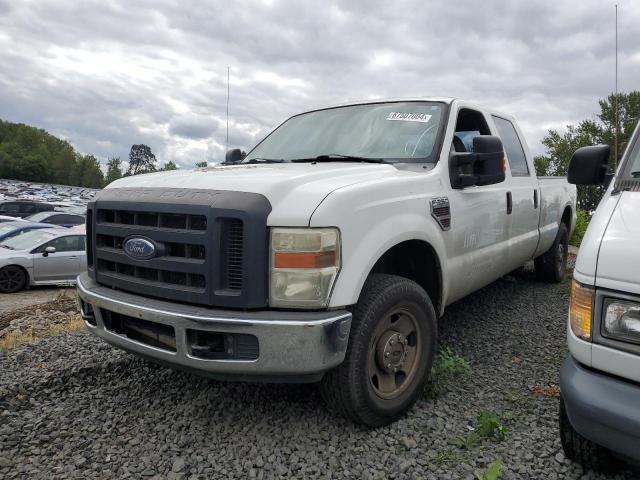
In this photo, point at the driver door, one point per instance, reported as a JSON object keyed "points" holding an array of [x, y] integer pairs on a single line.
{"points": [[63, 265]]}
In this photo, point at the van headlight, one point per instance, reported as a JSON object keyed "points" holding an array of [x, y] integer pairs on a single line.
{"points": [[304, 266], [622, 320]]}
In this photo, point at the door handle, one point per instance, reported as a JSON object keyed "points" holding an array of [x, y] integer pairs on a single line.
{"points": [[509, 203], [73, 258], [535, 198]]}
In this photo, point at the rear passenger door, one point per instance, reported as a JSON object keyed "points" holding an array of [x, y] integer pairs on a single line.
{"points": [[525, 195]]}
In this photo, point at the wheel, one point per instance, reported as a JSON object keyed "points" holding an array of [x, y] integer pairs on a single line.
{"points": [[389, 355], [583, 451], [12, 279], [552, 265]]}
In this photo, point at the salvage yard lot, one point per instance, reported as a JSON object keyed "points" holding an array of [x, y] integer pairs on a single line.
{"points": [[73, 407]]}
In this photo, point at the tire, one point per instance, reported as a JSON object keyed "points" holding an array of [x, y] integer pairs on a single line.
{"points": [[552, 266], [367, 389], [12, 279], [582, 450]]}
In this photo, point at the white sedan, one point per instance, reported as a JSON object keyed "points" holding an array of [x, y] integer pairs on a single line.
{"points": [[48, 256]]}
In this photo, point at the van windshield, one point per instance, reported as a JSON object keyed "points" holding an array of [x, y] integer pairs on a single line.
{"points": [[392, 131], [632, 167]]}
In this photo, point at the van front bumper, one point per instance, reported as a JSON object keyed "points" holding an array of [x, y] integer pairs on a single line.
{"points": [[248, 345], [602, 408]]}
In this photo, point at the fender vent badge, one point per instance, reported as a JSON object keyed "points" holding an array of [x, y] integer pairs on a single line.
{"points": [[441, 212]]}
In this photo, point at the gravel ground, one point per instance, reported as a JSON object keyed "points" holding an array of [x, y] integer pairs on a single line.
{"points": [[32, 296], [73, 407]]}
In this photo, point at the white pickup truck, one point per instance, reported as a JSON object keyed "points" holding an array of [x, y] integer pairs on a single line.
{"points": [[327, 254], [600, 377]]}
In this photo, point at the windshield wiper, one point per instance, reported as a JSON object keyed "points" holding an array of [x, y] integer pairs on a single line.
{"points": [[264, 160], [336, 157], [7, 247]]}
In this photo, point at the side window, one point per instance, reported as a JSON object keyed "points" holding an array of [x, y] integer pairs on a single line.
{"points": [[70, 243], [470, 124], [9, 208], [76, 220], [28, 208], [55, 219], [512, 147]]}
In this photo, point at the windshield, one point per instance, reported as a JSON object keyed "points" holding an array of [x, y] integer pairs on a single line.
{"points": [[30, 239], [632, 165], [38, 217], [8, 227], [395, 131]]}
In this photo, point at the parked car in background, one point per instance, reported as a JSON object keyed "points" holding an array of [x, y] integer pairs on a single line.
{"points": [[328, 253], [47, 256], [23, 208], [11, 229], [600, 377], [63, 219], [7, 218]]}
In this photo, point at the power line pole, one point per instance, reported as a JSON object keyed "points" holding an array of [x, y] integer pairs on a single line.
{"points": [[615, 134], [227, 143]]}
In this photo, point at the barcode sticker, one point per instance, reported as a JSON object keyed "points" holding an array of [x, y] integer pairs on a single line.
{"points": [[409, 117]]}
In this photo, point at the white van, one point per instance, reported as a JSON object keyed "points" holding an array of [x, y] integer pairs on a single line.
{"points": [[600, 378]]}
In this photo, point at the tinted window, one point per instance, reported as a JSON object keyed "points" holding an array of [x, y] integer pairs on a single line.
{"points": [[70, 219], [512, 147], [28, 208], [55, 219], [70, 243], [9, 207]]}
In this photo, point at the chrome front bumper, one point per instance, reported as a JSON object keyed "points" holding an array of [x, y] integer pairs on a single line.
{"points": [[292, 346]]}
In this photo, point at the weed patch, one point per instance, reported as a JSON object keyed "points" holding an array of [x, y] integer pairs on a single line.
{"points": [[446, 367], [18, 338], [493, 471]]}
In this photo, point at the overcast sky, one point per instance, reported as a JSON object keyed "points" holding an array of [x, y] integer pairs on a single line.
{"points": [[105, 74]]}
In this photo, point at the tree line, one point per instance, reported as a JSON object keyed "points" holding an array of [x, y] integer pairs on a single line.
{"points": [[34, 155], [31, 154]]}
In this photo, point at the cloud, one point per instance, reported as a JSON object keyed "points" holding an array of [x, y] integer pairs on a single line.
{"points": [[106, 75]]}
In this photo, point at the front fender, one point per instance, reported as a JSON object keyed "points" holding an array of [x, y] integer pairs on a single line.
{"points": [[370, 230]]}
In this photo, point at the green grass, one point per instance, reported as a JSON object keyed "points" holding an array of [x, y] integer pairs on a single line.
{"points": [[446, 367], [493, 471], [582, 222], [488, 426]]}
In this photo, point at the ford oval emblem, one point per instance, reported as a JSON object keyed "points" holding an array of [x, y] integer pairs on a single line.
{"points": [[139, 248]]}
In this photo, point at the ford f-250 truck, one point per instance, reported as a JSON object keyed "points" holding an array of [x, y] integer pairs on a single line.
{"points": [[327, 253]]}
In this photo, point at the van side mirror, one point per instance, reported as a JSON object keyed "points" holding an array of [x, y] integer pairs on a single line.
{"points": [[48, 250], [589, 165], [233, 156], [484, 166]]}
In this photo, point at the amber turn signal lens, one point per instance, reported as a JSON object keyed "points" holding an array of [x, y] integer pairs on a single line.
{"points": [[304, 259], [581, 310]]}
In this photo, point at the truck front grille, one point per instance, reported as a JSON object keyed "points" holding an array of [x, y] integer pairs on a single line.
{"points": [[200, 252]]}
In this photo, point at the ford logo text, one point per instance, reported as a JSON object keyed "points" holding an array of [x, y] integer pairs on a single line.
{"points": [[139, 248]]}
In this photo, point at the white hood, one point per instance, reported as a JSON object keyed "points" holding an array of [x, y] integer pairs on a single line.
{"points": [[293, 189], [619, 259]]}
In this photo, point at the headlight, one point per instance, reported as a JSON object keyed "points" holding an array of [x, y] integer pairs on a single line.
{"points": [[304, 266], [622, 320], [580, 310]]}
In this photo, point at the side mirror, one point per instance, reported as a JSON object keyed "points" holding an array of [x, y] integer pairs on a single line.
{"points": [[485, 166], [48, 250], [589, 165], [233, 156]]}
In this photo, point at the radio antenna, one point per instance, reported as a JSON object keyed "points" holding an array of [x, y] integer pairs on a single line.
{"points": [[615, 133], [227, 142]]}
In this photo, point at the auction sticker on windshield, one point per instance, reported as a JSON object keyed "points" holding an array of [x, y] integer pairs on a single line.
{"points": [[409, 117]]}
